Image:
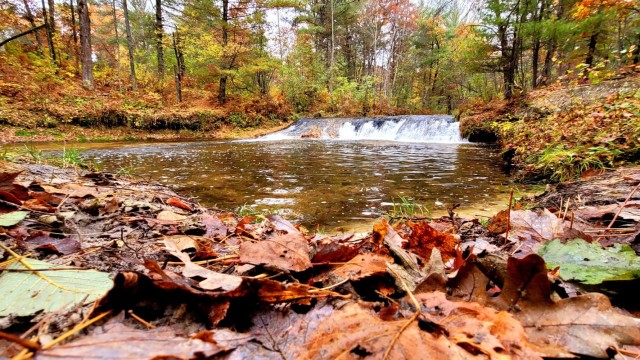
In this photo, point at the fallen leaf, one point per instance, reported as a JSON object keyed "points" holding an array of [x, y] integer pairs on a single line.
{"points": [[110, 207], [12, 218], [74, 190], [38, 205], [585, 325], [174, 201], [363, 266], [7, 179], [424, 238], [215, 229], [538, 226], [24, 293], [288, 252], [183, 242], [118, 341], [42, 241], [630, 212], [335, 249], [212, 280], [590, 263], [167, 215]]}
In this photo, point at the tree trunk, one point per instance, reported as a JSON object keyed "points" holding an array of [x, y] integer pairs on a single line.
{"points": [[115, 29], [52, 49], [535, 50], [85, 45], [593, 42], [132, 66], [32, 22], [159, 35], [178, 69], [52, 17], [75, 36], [222, 90], [636, 56]]}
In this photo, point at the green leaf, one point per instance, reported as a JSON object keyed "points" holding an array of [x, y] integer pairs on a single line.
{"points": [[588, 263], [12, 218], [24, 293]]}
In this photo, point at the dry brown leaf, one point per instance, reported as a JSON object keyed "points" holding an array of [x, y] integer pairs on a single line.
{"points": [[586, 325], [363, 266], [74, 190], [334, 249], [167, 215], [183, 242], [213, 280], [121, 342], [288, 252], [215, 229]]}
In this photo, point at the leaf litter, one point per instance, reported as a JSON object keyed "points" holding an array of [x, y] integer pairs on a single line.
{"points": [[173, 279]]}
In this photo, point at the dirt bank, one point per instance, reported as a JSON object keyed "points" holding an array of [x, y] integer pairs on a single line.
{"points": [[559, 132]]}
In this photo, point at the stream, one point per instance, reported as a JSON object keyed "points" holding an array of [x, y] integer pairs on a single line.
{"points": [[326, 174]]}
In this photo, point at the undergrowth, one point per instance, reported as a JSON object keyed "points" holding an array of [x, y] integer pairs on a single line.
{"points": [[562, 145]]}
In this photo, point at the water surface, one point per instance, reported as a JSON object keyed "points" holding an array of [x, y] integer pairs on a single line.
{"points": [[332, 184]]}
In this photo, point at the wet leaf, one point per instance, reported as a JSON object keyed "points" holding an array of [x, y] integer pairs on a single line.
{"points": [[288, 252], [118, 341], [27, 292], [174, 201], [424, 238], [590, 263], [213, 280], [12, 218]]}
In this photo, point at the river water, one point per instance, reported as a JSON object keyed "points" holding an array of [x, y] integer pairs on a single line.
{"points": [[341, 180]]}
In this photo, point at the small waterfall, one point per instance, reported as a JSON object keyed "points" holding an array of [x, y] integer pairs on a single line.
{"points": [[406, 128]]}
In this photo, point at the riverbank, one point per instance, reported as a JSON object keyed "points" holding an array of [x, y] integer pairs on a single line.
{"points": [[558, 133]]}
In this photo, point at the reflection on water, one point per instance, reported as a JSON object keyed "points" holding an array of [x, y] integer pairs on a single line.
{"points": [[319, 182]]}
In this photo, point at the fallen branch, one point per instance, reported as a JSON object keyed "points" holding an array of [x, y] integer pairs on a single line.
{"points": [[22, 34]]}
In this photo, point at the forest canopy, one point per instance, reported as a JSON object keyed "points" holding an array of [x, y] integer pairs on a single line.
{"points": [[316, 56]]}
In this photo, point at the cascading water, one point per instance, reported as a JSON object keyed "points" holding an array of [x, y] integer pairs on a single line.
{"points": [[406, 128]]}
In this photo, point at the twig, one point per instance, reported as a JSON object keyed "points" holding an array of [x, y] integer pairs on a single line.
{"points": [[566, 210], [75, 330], [25, 343], [141, 320], [506, 234], [411, 319], [623, 205], [205, 262]]}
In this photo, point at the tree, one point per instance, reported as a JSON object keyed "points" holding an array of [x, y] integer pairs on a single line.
{"points": [[132, 65], [85, 45], [159, 29], [222, 89]]}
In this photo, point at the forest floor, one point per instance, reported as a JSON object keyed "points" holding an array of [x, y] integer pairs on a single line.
{"points": [[93, 263], [562, 131]]}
